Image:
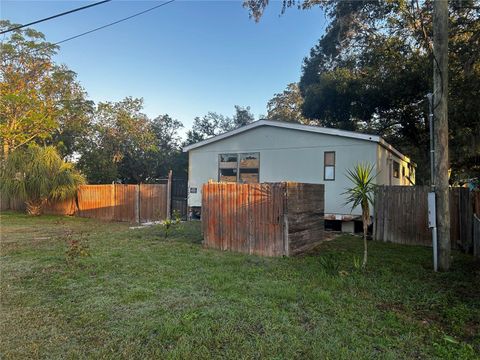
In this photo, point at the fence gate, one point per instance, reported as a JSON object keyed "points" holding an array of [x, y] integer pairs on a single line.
{"points": [[179, 195]]}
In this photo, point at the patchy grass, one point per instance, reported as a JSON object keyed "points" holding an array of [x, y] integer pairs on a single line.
{"points": [[140, 296]]}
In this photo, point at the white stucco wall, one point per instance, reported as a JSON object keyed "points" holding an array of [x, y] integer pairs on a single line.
{"points": [[290, 155]]}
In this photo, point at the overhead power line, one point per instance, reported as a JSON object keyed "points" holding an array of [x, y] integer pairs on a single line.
{"points": [[114, 23], [54, 16], [102, 27]]}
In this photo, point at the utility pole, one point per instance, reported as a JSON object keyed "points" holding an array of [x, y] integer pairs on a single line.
{"points": [[440, 87]]}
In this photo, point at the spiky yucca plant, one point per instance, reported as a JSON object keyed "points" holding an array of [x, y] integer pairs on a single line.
{"points": [[361, 194], [38, 174]]}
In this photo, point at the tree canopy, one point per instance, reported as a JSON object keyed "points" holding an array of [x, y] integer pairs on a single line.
{"points": [[287, 105], [214, 124], [40, 101], [124, 145], [373, 67]]}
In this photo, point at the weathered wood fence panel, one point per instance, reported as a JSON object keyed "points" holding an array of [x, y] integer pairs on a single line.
{"points": [[96, 201], [118, 202], [306, 222], [153, 202], [401, 216], [126, 207], [244, 218], [255, 218]]}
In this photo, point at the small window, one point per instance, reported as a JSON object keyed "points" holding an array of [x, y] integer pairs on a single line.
{"points": [[403, 171], [396, 169], [329, 165]]}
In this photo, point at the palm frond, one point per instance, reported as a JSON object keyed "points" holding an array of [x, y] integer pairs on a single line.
{"points": [[39, 173], [361, 193]]}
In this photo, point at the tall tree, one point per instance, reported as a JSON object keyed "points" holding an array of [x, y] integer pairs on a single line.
{"points": [[120, 133], [40, 101], [124, 145], [287, 105], [372, 69], [167, 153]]}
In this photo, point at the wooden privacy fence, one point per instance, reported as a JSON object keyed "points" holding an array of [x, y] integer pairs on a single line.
{"points": [[270, 219], [132, 203], [401, 216], [114, 202]]}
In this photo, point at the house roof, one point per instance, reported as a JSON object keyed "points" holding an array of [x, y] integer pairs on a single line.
{"points": [[300, 127]]}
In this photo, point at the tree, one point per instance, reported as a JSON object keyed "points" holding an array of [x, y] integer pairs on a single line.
{"points": [[371, 70], [119, 136], [214, 124], [242, 117], [287, 105], [361, 194], [39, 100], [166, 154], [124, 145], [38, 174]]}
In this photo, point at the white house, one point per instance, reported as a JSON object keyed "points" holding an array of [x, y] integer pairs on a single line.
{"points": [[274, 151]]}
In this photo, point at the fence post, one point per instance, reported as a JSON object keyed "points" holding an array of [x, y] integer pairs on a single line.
{"points": [[169, 195], [137, 203], [286, 244], [112, 200]]}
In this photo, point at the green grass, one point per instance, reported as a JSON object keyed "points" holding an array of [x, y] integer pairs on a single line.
{"points": [[141, 296]]}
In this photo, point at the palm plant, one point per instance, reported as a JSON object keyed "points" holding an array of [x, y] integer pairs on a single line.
{"points": [[38, 174], [361, 194]]}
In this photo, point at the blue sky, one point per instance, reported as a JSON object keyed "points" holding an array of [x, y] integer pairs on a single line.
{"points": [[184, 59]]}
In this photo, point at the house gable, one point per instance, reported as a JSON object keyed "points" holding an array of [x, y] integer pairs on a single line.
{"points": [[302, 128]]}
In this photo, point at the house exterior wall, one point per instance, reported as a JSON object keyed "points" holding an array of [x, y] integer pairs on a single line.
{"points": [[288, 155], [385, 160]]}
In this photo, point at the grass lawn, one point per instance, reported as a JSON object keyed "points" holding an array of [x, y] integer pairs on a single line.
{"points": [[140, 296]]}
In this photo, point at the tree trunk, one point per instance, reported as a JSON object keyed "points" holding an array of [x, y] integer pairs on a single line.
{"points": [[366, 220], [34, 207], [440, 85], [365, 250]]}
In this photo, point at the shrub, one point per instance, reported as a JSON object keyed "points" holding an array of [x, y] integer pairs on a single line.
{"points": [[38, 174]]}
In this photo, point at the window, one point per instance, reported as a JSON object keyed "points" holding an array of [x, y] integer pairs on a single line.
{"points": [[242, 168], [329, 165], [227, 167], [249, 166], [396, 169], [403, 171]]}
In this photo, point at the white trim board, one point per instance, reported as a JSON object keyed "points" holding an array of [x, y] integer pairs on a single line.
{"points": [[295, 126]]}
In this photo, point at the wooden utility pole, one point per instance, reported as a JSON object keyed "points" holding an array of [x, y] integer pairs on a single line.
{"points": [[440, 87]]}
